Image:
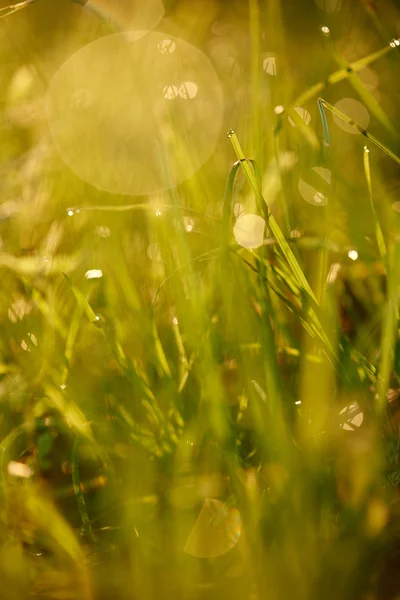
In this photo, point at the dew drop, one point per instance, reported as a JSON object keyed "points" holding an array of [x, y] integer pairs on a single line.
{"points": [[352, 254], [188, 223], [94, 274]]}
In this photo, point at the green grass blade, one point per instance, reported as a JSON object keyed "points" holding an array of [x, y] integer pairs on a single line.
{"points": [[341, 74], [276, 230], [364, 132], [82, 301], [80, 498], [9, 10], [378, 231]]}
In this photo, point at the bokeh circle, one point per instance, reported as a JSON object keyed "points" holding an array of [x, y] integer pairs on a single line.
{"points": [[135, 116]]}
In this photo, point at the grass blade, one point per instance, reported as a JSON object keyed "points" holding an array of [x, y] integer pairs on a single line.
{"points": [[378, 231], [364, 132], [9, 10], [276, 230], [80, 498]]}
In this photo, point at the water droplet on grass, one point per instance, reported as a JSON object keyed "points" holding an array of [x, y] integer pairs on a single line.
{"points": [[94, 274], [352, 254]]}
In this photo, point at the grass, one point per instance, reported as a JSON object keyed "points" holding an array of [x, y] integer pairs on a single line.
{"points": [[182, 415]]}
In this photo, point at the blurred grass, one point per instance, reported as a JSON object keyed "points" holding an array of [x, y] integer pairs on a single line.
{"points": [[181, 415]]}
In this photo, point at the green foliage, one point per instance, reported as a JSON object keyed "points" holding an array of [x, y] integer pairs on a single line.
{"points": [[184, 415]]}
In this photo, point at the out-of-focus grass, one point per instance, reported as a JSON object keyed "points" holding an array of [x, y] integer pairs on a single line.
{"points": [[181, 415]]}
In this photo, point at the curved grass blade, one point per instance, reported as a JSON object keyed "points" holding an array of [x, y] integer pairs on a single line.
{"points": [[364, 132], [202, 257], [276, 230]]}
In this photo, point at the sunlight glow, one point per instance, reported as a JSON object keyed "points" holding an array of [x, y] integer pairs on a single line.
{"points": [[354, 110], [113, 144], [352, 254], [249, 231], [94, 274], [18, 469]]}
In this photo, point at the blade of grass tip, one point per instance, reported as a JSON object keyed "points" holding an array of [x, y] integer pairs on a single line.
{"points": [[9, 10], [82, 301], [364, 132], [183, 361], [80, 498], [273, 224], [378, 231]]}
